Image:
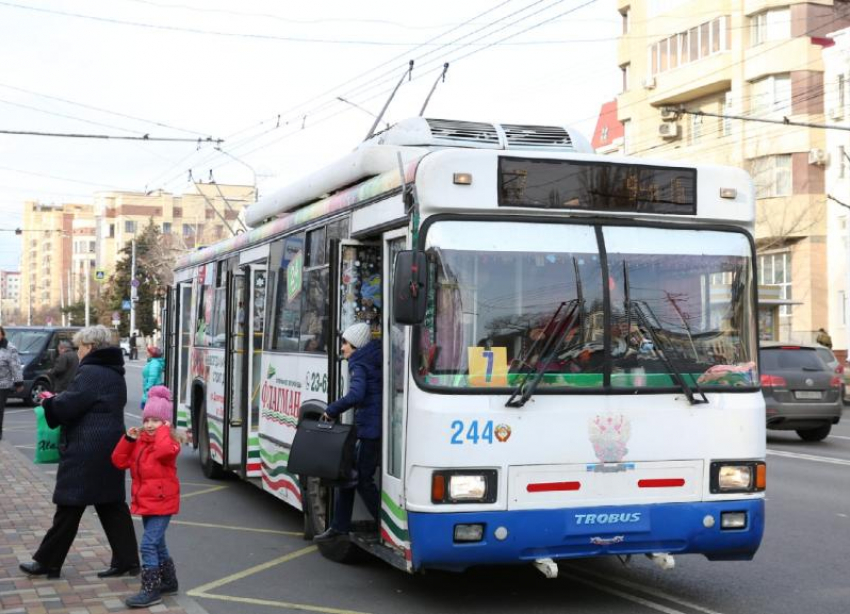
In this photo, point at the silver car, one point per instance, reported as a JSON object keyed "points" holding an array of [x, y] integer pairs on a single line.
{"points": [[801, 391]]}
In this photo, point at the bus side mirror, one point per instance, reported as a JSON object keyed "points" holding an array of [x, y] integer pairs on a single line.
{"points": [[410, 291]]}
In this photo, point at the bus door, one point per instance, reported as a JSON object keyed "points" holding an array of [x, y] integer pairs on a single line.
{"points": [[184, 322], [359, 299], [255, 318], [393, 521], [234, 370], [168, 339]]}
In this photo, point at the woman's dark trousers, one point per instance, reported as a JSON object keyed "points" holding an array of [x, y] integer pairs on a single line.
{"points": [[116, 522]]}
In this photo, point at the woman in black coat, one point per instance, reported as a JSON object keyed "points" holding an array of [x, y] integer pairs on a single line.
{"points": [[91, 414]]}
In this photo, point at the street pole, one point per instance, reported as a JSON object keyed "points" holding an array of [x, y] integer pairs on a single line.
{"points": [[88, 274], [133, 288]]}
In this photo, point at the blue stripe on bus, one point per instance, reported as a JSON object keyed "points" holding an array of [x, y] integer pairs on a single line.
{"points": [[676, 528]]}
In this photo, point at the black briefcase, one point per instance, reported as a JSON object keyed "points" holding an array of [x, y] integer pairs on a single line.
{"points": [[323, 449]]}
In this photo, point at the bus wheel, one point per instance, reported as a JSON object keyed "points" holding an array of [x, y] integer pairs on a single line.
{"points": [[316, 505], [211, 469]]}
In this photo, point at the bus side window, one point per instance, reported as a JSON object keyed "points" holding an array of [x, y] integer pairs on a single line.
{"points": [[286, 326]]}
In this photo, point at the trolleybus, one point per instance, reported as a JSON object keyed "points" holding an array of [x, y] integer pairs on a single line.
{"points": [[569, 347]]}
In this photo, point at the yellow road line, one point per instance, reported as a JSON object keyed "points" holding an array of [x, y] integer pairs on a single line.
{"points": [[203, 492], [206, 525], [278, 604], [250, 571]]}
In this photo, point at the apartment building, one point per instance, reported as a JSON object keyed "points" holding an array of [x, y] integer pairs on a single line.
{"points": [[726, 82], [10, 296], [64, 245]]}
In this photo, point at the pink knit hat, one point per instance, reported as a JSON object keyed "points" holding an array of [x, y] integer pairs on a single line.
{"points": [[159, 404]]}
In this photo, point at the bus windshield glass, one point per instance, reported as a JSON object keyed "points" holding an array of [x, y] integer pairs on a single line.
{"points": [[510, 301]]}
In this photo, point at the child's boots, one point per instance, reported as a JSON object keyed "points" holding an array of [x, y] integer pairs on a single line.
{"points": [[168, 577], [149, 595]]}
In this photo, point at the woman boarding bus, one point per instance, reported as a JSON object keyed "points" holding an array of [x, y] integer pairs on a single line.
{"points": [[569, 347]]}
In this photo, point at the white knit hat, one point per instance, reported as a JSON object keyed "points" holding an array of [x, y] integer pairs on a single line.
{"points": [[358, 334]]}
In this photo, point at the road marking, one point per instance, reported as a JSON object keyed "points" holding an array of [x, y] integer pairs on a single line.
{"points": [[209, 525], [810, 457], [279, 604], [645, 589], [203, 492], [199, 591], [627, 596]]}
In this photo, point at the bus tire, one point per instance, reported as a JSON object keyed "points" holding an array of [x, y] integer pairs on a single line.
{"points": [[316, 502], [211, 469], [816, 434]]}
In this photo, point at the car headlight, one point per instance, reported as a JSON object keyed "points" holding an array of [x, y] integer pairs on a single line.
{"points": [[738, 476], [464, 486]]}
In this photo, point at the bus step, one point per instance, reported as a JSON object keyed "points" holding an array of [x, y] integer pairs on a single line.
{"points": [[370, 542]]}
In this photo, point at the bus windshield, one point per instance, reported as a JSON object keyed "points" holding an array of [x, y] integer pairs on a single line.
{"points": [[629, 307]]}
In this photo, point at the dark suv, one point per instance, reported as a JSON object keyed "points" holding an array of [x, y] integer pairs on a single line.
{"points": [[38, 348], [801, 392]]}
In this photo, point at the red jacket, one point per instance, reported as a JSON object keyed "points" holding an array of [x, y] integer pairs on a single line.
{"points": [[152, 461]]}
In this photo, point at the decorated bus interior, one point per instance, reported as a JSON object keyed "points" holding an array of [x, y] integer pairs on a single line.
{"points": [[632, 308]]}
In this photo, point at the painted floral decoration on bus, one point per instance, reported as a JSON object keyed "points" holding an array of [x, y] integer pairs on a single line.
{"points": [[609, 435]]}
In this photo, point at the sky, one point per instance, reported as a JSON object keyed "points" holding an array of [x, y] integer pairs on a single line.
{"points": [[266, 77]]}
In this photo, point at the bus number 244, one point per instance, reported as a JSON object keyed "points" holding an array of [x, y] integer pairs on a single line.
{"points": [[476, 431]]}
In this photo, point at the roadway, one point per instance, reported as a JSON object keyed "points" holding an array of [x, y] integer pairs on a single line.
{"points": [[240, 550]]}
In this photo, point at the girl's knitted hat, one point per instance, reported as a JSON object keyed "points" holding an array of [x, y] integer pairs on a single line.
{"points": [[159, 405]]}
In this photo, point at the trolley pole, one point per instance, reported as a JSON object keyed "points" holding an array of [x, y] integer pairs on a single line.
{"points": [[133, 288]]}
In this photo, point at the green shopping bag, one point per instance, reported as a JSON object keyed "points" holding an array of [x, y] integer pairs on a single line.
{"points": [[46, 439]]}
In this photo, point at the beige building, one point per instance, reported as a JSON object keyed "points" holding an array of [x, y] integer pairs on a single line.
{"points": [[696, 76], [65, 245], [10, 296]]}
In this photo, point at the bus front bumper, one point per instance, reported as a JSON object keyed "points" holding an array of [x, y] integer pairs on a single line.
{"points": [[511, 537]]}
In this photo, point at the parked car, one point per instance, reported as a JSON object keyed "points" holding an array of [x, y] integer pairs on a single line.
{"points": [[832, 362], [125, 346], [801, 392], [38, 348]]}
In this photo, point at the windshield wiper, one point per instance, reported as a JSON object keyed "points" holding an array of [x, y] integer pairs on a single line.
{"points": [[555, 336], [661, 350]]}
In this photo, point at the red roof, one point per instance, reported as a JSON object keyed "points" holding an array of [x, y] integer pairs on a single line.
{"points": [[608, 129]]}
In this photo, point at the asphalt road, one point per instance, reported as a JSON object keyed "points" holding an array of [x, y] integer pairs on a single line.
{"points": [[240, 550]]}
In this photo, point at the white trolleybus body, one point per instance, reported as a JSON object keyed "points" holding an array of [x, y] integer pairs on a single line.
{"points": [[569, 347]]}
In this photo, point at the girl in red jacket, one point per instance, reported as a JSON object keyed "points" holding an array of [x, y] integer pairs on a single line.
{"points": [[150, 453]]}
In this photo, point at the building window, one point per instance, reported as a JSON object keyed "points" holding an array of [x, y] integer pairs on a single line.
{"points": [[112, 231], [627, 136], [166, 228], [130, 226], [841, 97], [696, 129], [91, 247], [726, 122], [188, 231], [842, 301], [842, 161], [624, 69], [771, 25], [691, 45], [775, 269], [772, 175], [625, 20], [770, 95]]}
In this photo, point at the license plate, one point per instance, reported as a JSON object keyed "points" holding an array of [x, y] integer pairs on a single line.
{"points": [[808, 394]]}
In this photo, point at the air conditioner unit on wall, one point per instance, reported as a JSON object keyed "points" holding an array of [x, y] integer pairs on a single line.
{"points": [[669, 114], [649, 83], [668, 131], [818, 156]]}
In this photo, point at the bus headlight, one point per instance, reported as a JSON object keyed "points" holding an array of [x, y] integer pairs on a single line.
{"points": [[464, 486], [741, 476]]}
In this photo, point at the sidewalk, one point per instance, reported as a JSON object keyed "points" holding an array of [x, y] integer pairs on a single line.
{"points": [[26, 512]]}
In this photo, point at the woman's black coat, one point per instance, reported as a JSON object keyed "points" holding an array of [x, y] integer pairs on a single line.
{"points": [[91, 414]]}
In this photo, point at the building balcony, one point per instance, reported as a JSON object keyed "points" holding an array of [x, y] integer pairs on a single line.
{"points": [[693, 80], [772, 59]]}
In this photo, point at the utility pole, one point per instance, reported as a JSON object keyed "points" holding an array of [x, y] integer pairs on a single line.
{"points": [[88, 275], [133, 288]]}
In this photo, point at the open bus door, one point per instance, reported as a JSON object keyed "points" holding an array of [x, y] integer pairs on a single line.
{"points": [[234, 372], [166, 320], [256, 275]]}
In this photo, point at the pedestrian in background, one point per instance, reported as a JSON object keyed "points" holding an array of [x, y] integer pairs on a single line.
{"points": [[11, 373], [150, 453], [152, 374], [824, 339], [65, 367], [91, 414], [134, 350]]}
